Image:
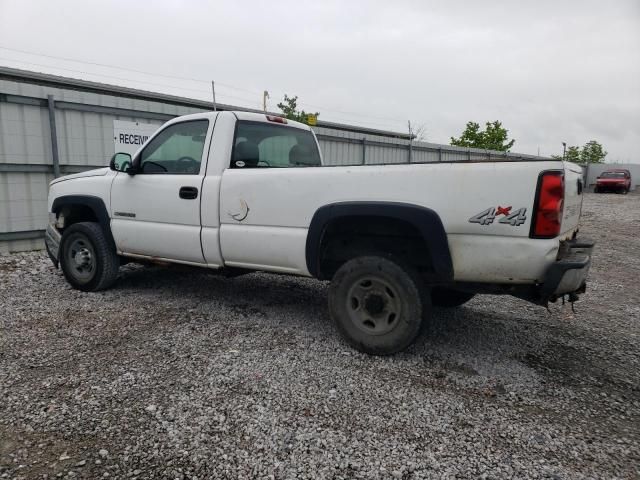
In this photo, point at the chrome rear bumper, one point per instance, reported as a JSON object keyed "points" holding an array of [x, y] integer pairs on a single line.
{"points": [[568, 276]]}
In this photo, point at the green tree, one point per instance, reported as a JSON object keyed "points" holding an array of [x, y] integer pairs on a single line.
{"points": [[592, 152], [289, 107], [493, 137], [573, 154]]}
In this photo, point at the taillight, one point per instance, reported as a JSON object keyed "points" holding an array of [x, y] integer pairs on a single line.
{"points": [[547, 212], [276, 119]]}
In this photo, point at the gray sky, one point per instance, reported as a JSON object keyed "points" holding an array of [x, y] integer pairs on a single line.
{"points": [[551, 71]]}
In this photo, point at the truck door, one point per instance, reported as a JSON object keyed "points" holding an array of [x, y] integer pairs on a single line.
{"points": [[156, 212], [268, 196]]}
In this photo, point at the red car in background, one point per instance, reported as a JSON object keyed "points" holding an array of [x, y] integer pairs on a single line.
{"points": [[615, 180]]}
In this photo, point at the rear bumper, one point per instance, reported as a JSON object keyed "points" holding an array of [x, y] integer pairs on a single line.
{"points": [[568, 275], [611, 186], [565, 276]]}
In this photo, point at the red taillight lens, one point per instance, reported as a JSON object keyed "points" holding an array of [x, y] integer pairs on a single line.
{"points": [[548, 209], [275, 119]]}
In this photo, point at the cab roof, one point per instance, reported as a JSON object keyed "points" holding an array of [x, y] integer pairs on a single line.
{"points": [[268, 118], [245, 116]]}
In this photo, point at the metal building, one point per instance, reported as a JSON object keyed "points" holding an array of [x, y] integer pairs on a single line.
{"points": [[52, 126]]}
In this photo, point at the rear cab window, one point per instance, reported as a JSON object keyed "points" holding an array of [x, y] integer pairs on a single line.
{"points": [[263, 145]]}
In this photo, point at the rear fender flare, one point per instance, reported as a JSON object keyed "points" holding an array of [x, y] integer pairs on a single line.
{"points": [[424, 219]]}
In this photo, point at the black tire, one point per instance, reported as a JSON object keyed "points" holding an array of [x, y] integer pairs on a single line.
{"points": [[448, 297], [86, 257], [596, 190], [378, 304]]}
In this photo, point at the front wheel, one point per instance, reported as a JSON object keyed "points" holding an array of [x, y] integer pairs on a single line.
{"points": [[86, 257], [378, 305]]}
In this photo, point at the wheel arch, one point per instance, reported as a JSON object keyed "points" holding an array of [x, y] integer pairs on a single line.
{"points": [[84, 204], [424, 220]]}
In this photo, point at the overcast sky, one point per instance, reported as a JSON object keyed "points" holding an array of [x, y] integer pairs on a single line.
{"points": [[551, 71]]}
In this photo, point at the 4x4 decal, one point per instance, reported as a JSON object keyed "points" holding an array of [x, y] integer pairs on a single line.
{"points": [[515, 218]]}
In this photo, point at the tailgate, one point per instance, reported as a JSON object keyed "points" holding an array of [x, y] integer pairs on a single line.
{"points": [[573, 189]]}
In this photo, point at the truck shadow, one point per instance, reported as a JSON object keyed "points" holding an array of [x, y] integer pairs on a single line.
{"points": [[475, 339], [490, 340], [258, 289]]}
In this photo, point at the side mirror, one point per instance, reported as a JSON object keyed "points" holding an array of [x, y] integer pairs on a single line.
{"points": [[121, 162]]}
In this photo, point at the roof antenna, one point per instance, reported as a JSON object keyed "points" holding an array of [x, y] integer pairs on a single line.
{"points": [[213, 90]]}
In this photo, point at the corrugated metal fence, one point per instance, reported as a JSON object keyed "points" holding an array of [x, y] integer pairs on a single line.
{"points": [[349, 148], [52, 126]]}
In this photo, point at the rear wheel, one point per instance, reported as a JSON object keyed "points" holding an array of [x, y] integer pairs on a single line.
{"points": [[86, 258], [378, 304], [448, 297]]}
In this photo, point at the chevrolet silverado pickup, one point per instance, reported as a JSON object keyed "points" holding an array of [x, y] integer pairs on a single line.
{"points": [[242, 192]]}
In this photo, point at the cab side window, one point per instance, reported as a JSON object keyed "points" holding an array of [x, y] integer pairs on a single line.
{"points": [[261, 145], [176, 150]]}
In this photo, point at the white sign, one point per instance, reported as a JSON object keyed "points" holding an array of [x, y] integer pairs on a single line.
{"points": [[128, 137]]}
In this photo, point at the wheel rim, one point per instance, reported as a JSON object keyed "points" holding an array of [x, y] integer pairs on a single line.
{"points": [[81, 257], [373, 305]]}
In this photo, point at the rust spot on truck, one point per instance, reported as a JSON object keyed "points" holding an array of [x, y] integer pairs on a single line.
{"points": [[244, 212]]}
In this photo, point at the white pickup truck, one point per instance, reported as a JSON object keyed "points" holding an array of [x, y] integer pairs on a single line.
{"points": [[241, 192]]}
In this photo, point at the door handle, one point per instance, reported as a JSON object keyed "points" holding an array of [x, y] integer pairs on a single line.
{"points": [[188, 193]]}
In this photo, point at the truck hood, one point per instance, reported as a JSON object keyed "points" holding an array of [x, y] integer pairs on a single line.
{"points": [[98, 172]]}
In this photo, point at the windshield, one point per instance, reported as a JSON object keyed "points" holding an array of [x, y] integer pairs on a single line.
{"points": [[612, 175]]}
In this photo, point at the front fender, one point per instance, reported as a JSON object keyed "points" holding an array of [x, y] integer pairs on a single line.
{"points": [[95, 204]]}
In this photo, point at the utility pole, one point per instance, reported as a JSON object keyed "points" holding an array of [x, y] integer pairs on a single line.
{"points": [[410, 140], [213, 90], [265, 95]]}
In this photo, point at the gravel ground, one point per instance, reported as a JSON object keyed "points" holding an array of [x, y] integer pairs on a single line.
{"points": [[181, 374]]}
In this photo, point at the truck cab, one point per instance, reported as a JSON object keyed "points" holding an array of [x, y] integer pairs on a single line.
{"points": [[157, 204]]}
